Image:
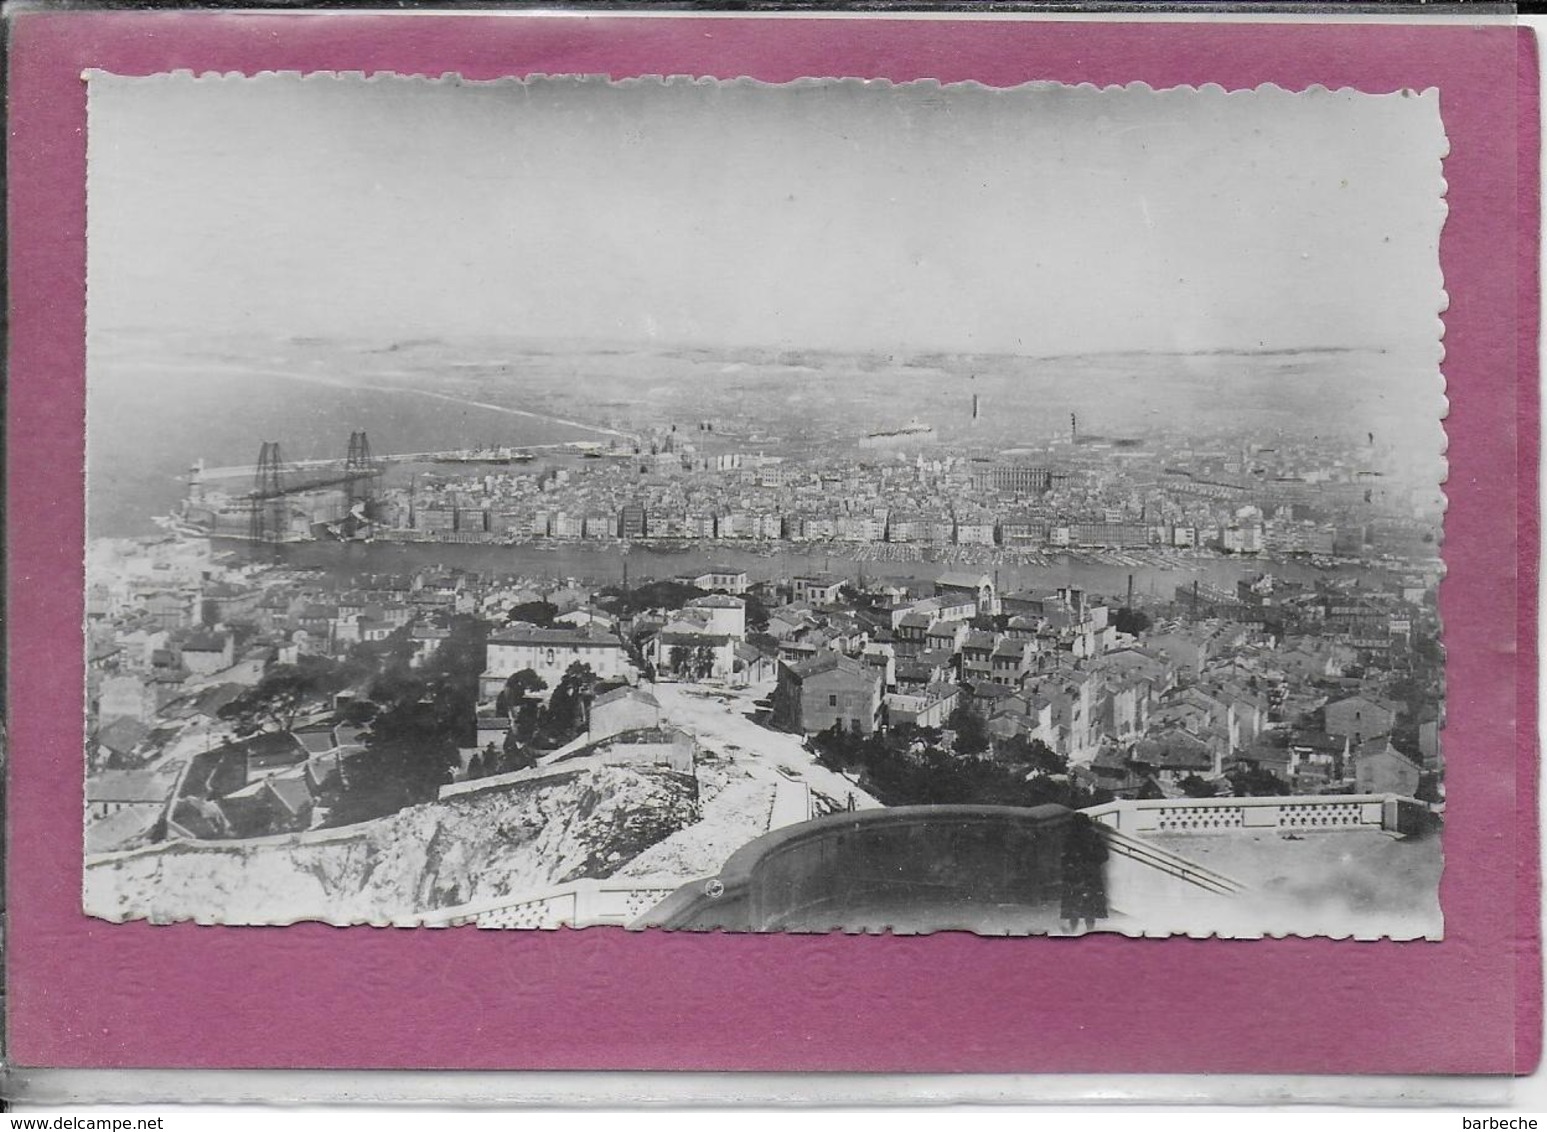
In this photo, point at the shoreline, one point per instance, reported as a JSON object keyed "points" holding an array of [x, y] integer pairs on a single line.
{"points": [[1157, 569]]}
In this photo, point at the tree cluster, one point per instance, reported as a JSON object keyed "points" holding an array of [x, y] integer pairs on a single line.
{"points": [[1031, 755], [757, 613], [540, 613], [1131, 621], [535, 726], [416, 719], [696, 662], [650, 595], [568, 712], [908, 766], [1251, 781], [282, 694], [1194, 787], [970, 729]]}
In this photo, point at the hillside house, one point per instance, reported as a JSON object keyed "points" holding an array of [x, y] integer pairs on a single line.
{"points": [[821, 591], [549, 653], [1379, 768], [827, 690], [964, 586], [1359, 718]]}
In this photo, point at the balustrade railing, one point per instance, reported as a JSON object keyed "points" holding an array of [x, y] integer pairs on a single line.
{"points": [[1235, 815], [577, 904]]}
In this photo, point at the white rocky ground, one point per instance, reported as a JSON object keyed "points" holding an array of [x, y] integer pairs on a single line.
{"points": [[470, 849], [722, 720], [634, 824]]}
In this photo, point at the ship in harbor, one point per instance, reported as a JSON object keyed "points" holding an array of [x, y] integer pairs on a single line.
{"points": [[486, 455], [914, 432]]}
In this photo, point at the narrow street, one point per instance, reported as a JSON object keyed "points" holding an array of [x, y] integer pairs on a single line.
{"points": [[721, 720], [751, 780]]}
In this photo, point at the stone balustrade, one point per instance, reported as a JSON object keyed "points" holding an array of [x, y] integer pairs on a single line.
{"points": [[1234, 815], [577, 904]]}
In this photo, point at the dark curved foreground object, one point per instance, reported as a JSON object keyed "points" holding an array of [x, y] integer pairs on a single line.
{"points": [[908, 869]]}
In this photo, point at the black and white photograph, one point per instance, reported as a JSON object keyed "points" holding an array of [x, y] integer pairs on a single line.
{"points": [[833, 506]]}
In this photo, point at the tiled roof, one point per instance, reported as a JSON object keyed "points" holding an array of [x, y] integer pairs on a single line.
{"points": [[316, 742], [292, 793], [521, 633], [637, 694], [986, 690], [123, 734], [1173, 750], [831, 662]]}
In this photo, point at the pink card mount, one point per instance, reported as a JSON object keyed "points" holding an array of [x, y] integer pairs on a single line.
{"points": [[85, 993]]}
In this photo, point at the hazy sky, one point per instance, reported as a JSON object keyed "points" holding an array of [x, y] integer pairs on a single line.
{"points": [[849, 216]]}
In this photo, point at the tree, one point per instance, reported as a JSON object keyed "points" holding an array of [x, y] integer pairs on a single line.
{"points": [[569, 707], [450, 678], [837, 748], [539, 613], [757, 613], [276, 700], [408, 757], [1131, 621], [1428, 654], [1251, 781], [703, 662], [971, 731], [650, 595], [515, 755], [1404, 737], [679, 658], [367, 657], [908, 766], [1032, 754], [358, 712], [421, 718], [519, 686], [489, 760], [1195, 787], [764, 643]]}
